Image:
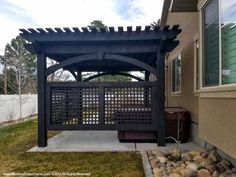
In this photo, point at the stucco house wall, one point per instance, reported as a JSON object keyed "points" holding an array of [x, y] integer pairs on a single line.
{"points": [[188, 22], [217, 113], [212, 109]]}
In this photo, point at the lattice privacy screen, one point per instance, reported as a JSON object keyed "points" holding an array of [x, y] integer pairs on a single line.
{"points": [[82, 105], [128, 105]]}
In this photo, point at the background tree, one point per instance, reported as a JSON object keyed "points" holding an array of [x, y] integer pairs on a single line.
{"points": [[109, 78], [59, 75], [23, 65], [97, 24], [155, 24]]}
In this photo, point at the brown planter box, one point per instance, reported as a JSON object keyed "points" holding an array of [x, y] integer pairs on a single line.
{"points": [[171, 128]]}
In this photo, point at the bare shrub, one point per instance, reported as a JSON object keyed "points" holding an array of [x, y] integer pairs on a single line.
{"points": [[32, 110], [11, 114]]}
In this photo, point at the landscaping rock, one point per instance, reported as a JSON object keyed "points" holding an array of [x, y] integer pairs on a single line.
{"points": [[158, 153], [157, 175], [185, 172], [226, 164], [151, 157], [156, 170], [214, 156], [162, 159], [186, 157], [149, 153], [204, 154], [190, 164], [192, 167], [220, 168], [153, 163], [203, 173], [174, 175], [233, 170], [211, 168], [215, 174], [194, 153], [199, 159]]}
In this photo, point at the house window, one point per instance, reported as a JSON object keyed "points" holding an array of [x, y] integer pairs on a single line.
{"points": [[196, 64], [176, 74], [228, 33], [211, 44], [219, 43]]}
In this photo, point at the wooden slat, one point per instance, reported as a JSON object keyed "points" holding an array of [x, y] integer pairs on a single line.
{"points": [[138, 28], [94, 30], [102, 30], [111, 29], [24, 31], [32, 30], [85, 29], [156, 28], [41, 30], [120, 28], [67, 30], [129, 28], [175, 27], [59, 30], [166, 27], [50, 30], [147, 28], [76, 29]]}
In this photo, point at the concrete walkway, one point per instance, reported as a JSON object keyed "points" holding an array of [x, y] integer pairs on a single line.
{"points": [[99, 141]]}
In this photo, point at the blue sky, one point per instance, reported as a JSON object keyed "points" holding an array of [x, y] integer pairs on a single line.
{"points": [[15, 14]]}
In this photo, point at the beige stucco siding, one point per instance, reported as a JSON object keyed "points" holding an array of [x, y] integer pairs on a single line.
{"points": [[217, 123], [217, 114], [189, 24]]}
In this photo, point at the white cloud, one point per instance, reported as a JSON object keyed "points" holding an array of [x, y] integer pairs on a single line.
{"points": [[70, 13]]}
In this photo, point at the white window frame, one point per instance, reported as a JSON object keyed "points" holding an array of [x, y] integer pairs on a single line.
{"points": [[180, 86], [220, 85], [195, 40]]}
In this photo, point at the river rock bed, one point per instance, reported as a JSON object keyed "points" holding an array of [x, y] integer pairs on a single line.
{"points": [[202, 163]]}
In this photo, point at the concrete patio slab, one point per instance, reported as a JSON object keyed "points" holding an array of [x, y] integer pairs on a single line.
{"points": [[99, 141], [86, 141]]}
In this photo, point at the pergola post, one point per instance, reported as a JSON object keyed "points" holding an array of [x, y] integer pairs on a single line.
{"points": [[79, 76], [146, 75], [161, 98], [42, 79]]}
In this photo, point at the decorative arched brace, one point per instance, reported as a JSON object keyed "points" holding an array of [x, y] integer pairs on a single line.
{"points": [[73, 74], [112, 73], [70, 61], [89, 57], [132, 61]]}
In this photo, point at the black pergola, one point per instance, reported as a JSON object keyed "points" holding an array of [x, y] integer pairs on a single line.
{"points": [[84, 105]]}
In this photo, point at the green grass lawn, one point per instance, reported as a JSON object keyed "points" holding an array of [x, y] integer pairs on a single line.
{"points": [[15, 140]]}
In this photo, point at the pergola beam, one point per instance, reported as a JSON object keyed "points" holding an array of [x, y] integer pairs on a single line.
{"points": [[85, 49]]}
